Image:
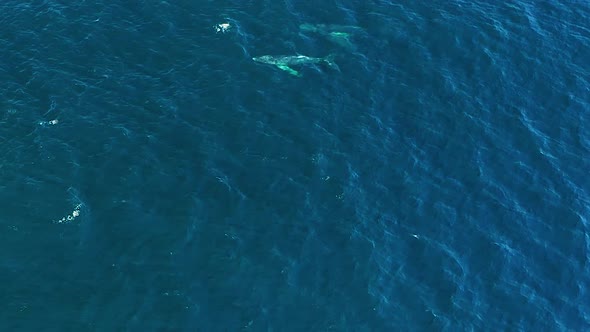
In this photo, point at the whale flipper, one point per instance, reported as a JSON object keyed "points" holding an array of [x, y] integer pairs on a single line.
{"points": [[329, 60], [289, 70]]}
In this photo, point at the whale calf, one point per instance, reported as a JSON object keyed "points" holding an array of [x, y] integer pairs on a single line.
{"points": [[285, 61], [327, 28], [338, 34]]}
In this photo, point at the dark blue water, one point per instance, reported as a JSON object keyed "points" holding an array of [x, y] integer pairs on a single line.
{"points": [[153, 177]]}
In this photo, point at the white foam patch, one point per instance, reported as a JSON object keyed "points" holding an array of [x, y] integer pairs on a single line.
{"points": [[49, 123], [69, 218], [222, 27]]}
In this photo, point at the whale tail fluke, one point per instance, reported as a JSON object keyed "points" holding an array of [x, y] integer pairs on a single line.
{"points": [[329, 60]]}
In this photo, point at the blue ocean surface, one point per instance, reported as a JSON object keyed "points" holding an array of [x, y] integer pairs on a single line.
{"points": [[426, 168]]}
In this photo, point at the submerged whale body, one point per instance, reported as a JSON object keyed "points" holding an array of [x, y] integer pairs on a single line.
{"points": [[326, 28], [338, 34], [285, 61]]}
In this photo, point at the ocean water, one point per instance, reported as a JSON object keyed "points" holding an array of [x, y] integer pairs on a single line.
{"points": [[153, 177]]}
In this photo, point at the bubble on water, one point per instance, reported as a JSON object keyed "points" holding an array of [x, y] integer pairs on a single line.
{"points": [[49, 123], [71, 216]]}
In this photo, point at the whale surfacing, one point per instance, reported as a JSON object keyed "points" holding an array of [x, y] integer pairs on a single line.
{"points": [[284, 62]]}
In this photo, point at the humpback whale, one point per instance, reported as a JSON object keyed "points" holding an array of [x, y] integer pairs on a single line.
{"points": [[285, 61]]}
